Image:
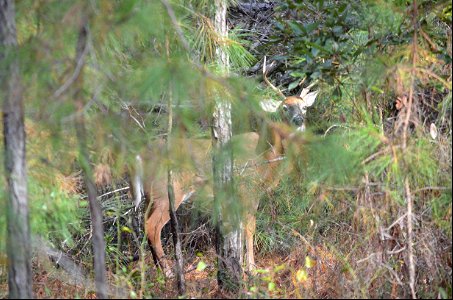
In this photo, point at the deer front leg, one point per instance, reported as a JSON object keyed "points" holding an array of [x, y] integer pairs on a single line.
{"points": [[156, 221]]}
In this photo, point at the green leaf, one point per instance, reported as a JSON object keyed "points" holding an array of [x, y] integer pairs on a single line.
{"points": [[337, 30], [262, 271], [279, 25], [315, 75], [271, 286], [201, 266], [314, 51], [298, 74], [327, 64], [126, 229], [376, 89], [310, 27], [301, 275], [337, 91], [297, 29], [443, 293], [293, 85], [309, 263], [279, 268]]}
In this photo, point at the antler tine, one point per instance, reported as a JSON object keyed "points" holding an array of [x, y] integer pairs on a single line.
{"points": [[268, 82]]}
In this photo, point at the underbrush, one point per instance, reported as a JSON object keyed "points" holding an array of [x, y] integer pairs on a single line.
{"points": [[353, 207]]}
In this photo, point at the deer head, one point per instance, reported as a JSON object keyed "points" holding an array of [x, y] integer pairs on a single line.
{"points": [[292, 109]]}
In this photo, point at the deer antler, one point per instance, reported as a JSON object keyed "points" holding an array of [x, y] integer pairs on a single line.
{"points": [[269, 83]]}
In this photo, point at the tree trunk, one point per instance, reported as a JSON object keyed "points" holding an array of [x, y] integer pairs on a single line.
{"points": [[171, 198], [228, 213], [84, 160], [18, 236]]}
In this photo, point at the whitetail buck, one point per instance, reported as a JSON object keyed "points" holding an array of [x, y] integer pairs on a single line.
{"points": [[193, 162]]}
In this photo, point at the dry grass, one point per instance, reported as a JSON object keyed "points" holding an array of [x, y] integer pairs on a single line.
{"points": [[49, 282]]}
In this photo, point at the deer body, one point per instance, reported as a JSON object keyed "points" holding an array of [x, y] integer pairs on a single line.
{"points": [[256, 159], [192, 164]]}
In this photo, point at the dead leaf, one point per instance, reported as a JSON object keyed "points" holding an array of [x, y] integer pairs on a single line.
{"points": [[401, 102], [433, 131]]}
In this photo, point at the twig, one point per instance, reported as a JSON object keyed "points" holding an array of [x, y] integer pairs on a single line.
{"points": [[76, 114], [410, 238], [396, 251], [428, 39], [429, 73], [75, 74], [249, 165], [368, 257], [296, 233], [108, 193], [333, 126], [393, 273], [140, 125], [412, 72], [115, 191], [204, 71], [396, 222], [431, 188], [181, 282], [342, 188], [374, 155]]}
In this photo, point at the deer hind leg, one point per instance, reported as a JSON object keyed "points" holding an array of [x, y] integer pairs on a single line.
{"points": [[250, 199], [156, 221], [250, 228], [249, 233]]}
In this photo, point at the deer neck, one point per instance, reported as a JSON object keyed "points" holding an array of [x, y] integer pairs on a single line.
{"points": [[273, 140]]}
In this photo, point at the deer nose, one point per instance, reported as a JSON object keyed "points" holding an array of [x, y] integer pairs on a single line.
{"points": [[298, 120]]}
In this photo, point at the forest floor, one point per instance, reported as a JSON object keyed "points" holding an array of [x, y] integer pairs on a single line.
{"points": [[279, 277]]}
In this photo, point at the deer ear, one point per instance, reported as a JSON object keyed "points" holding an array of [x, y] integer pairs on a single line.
{"points": [[270, 105], [310, 98]]}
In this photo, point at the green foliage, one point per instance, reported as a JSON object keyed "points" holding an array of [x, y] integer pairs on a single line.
{"points": [[356, 168], [441, 211], [332, 160], [54, 214], [2, 220], [241, 59], [206, 40], [346, 184], [321, 38]]}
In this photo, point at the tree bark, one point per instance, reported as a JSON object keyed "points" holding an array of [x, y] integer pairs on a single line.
{"points": [[229, 227], [18, 236], [84, 160], [171, 198]]}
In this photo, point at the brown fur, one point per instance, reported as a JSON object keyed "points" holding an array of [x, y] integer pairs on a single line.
{"points": [[190, 160]]}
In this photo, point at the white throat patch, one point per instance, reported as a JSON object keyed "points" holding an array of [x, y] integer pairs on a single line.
{"points": [[301, 128]]}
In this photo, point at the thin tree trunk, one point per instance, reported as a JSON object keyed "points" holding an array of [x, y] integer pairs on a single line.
{"points": [[228, 213], [410, 237], [18, 236], [408, 196], [171, 198], [84, 160]]}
